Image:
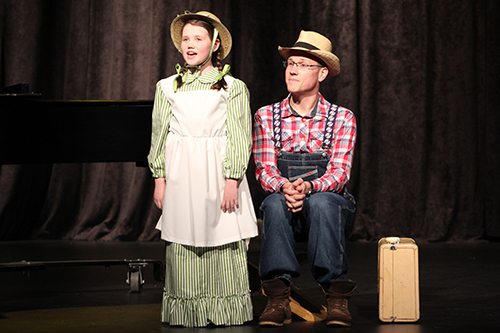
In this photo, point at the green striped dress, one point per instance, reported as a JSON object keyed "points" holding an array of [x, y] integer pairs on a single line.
{"points": [[206, 280], [206, 285]]}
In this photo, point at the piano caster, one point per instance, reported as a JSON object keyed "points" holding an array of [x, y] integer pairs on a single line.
{"points": [[134, 277]]}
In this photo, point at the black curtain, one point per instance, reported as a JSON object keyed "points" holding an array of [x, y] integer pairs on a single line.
{"points": [[421, 77]]}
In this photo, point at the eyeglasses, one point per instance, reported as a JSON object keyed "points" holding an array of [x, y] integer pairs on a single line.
{"points": [[299, 65]]}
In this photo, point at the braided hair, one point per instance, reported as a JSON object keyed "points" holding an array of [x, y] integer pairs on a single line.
{"points": [[217, 62]]}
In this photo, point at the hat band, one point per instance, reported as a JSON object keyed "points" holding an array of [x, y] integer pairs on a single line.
{"points": [[305, 46]]}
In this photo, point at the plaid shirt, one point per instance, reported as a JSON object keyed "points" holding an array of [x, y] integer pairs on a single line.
{"points": [[304, 135]]}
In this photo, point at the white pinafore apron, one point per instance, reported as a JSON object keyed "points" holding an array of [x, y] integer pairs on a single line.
{"points": [[195, 149]]}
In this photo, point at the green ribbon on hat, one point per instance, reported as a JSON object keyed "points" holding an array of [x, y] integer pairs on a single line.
{"points": [[184, 76], [181, 71]]}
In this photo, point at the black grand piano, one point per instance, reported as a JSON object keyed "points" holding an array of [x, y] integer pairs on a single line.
{"points": [[33, 130]]}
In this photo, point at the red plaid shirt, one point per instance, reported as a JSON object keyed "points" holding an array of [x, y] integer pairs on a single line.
{"points": [[304, 135]]}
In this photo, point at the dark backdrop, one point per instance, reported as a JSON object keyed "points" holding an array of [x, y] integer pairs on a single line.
{"points": [[420, 75]]}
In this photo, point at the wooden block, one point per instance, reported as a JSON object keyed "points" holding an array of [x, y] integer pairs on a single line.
{"points": [[305, 307], [301, 305]]}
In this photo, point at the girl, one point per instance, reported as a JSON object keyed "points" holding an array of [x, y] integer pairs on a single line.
{"points": [[200, 147]]}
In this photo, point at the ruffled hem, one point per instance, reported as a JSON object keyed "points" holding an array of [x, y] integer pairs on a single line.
{"points": [[200, 312]]}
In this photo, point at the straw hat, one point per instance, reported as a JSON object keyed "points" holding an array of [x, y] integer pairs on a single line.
{"points": [[317, 45], [180, 20]]}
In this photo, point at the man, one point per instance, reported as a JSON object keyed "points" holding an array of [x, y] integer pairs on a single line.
{"points": [[303, 148]]}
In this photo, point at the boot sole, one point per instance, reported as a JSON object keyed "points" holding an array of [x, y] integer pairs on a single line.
{"points": [[338, 323], [273, 323]]}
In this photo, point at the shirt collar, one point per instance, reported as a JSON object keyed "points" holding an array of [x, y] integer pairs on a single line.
{"points": [[320, 110]]}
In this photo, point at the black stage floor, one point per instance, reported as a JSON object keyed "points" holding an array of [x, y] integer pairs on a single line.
{"points": [[459, 290]]}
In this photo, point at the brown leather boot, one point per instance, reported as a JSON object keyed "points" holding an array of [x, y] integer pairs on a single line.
{"points": [[277, 311], [337, 298]]}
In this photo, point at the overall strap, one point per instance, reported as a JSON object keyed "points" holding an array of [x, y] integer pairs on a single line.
{"points": [[330, 124], [278, 140]]}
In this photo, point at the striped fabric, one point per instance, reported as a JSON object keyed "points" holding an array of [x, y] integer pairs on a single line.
{"points": [[239, 125], [206, 285]]}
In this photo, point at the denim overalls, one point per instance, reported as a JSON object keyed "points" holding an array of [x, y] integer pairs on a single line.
{"points": [[326, 216], [307, 166]]}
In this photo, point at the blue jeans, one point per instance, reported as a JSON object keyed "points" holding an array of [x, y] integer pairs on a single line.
{"points": [[325, 220]]}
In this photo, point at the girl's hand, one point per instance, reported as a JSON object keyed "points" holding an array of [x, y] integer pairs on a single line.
{"points": [[159, 195], [230, 199]]}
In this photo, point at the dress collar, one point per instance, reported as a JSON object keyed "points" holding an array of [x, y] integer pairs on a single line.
{"points": [[211, 76], [208, 77]]}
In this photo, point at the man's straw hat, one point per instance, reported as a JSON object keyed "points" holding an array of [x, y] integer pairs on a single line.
{"points": [[317, 45], [180, 20]]}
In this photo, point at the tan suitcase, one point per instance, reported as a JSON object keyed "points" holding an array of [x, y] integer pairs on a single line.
{"points": [[398, 284]]}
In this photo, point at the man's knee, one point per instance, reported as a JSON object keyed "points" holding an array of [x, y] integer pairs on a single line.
{"points": [[275, 202], [330, 209], [324, 201], [275, 211]]}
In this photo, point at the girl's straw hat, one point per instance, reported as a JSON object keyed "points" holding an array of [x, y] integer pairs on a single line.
{"points": [[317, 45], [180, 20]]}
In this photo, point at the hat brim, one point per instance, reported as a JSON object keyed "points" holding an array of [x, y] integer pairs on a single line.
{"points": [[330, 59], [180, 20]]}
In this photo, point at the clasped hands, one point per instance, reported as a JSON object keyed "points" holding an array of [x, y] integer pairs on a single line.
{"points": [[295, 193]]}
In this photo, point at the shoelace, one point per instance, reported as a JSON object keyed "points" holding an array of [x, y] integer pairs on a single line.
{"points": [[274, 303], [337, 302]]}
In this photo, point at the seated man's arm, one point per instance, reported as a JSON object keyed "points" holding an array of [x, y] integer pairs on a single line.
{"points": [[264, 153]]}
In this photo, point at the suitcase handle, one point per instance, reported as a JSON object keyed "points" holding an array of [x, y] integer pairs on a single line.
{"points": [[393, 240]]}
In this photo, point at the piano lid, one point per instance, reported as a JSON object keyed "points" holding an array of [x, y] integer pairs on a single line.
{"points": [[42, 131]]}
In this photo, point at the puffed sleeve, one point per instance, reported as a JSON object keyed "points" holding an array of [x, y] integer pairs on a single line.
{"points": [[239, 128], [160, 123]]}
